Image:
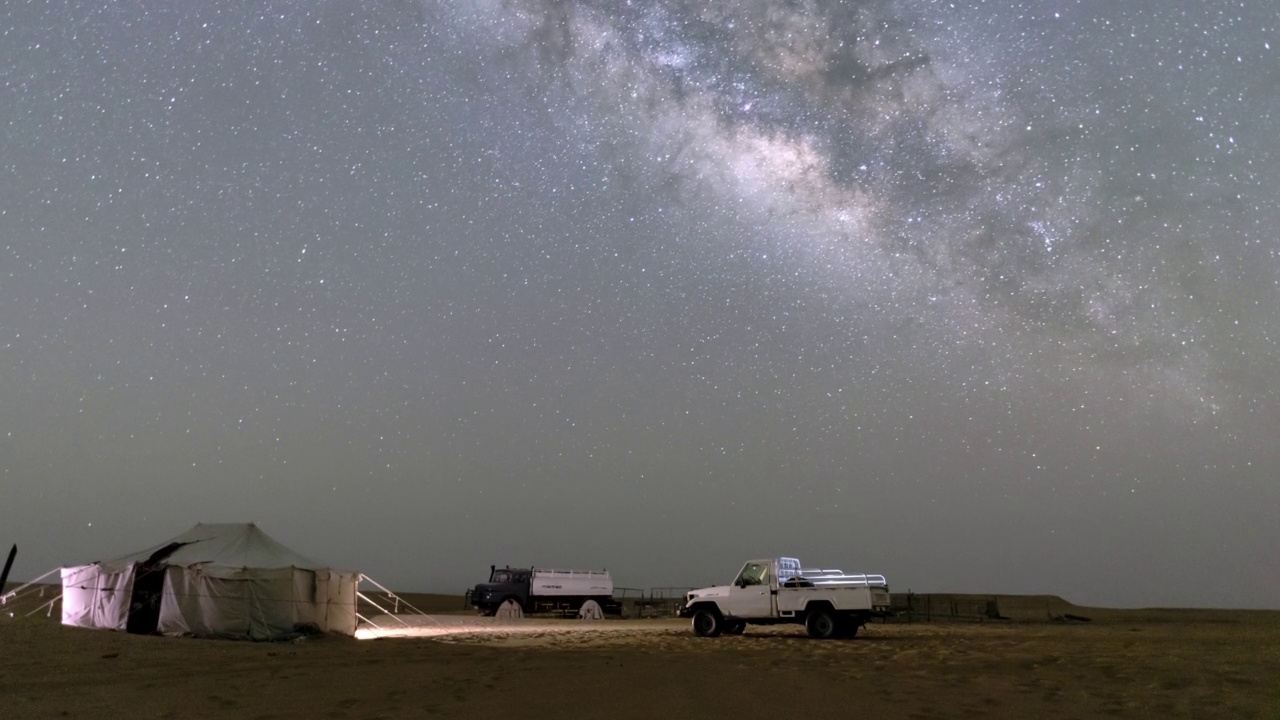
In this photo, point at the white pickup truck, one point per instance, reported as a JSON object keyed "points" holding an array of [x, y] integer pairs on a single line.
{"points": [[829, 603]]}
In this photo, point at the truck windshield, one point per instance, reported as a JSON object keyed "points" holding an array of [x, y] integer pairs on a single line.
{"points": [[500, 576]]}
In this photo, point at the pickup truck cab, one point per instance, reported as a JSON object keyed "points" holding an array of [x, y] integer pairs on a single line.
{"points": [[829, 603]]}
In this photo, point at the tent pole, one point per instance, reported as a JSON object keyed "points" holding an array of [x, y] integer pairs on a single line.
{"points": [[367, 621], [14, 593], [369, 600], [390, 594], [8, 565], [46, 605]]}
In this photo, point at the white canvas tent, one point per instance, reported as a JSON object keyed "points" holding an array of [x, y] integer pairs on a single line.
{"points": [[215, 580]]}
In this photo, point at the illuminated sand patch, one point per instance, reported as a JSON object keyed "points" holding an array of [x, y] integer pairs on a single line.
{"points": [[490, 629]]}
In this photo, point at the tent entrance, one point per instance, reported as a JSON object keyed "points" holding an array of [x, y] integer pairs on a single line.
{"points": [[144, 603], [148, 589]]}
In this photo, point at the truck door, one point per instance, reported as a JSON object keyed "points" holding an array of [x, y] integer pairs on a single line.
{"points": [[751, 595]]}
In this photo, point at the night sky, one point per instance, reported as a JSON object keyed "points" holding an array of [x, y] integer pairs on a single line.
{"points": [[981, 296]]}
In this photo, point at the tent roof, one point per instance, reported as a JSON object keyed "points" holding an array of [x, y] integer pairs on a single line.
{"points": [[222, 545]]}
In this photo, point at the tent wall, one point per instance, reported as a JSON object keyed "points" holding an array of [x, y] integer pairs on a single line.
{"points": [[96, 598], [337, 591], [257, 604]]}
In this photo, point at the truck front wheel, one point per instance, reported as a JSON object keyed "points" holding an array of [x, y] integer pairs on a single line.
{"points": [[707, 623], [821, 624]]}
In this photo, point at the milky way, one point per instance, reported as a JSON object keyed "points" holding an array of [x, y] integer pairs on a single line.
{"points": [[980, 296]]}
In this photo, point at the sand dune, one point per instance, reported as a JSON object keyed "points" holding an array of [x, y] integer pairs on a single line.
{"points": [[1124, 663]]}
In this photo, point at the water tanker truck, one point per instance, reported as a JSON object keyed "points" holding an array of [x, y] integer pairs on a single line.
{"points": [[543, 590]]}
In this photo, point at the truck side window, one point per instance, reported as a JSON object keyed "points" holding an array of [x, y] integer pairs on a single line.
{"points": [[752, 574]]}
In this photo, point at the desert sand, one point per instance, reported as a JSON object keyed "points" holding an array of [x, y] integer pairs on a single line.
{"points": [[1121, 663]]}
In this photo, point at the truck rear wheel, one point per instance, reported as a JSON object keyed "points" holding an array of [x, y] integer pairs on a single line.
{"points": [[821, 624], [707, 623]]}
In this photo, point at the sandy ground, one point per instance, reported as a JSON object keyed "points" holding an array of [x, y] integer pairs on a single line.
{"points": [[1125, 664]]}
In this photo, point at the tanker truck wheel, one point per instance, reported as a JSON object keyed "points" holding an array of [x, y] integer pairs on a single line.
{"points": [[707, 623], [509, 610], [590, 610]]}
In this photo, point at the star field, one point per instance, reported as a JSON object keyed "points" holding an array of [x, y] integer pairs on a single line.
{"points": [[980, 296]]}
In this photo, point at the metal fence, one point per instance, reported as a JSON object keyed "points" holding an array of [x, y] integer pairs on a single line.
{"points": [[913, 607], [654, 602]]}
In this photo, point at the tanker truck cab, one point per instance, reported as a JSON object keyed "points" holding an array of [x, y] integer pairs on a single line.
{"points": [[504, 584]]}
